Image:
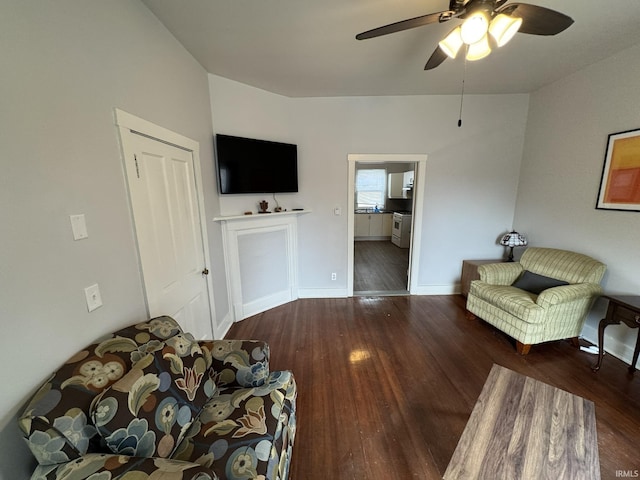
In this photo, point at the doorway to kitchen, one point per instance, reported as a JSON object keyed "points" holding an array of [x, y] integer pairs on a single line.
{"points": [[385, 200], [380, 268]]}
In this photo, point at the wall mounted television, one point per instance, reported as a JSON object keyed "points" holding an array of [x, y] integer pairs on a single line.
{"points": [[248, 165]]}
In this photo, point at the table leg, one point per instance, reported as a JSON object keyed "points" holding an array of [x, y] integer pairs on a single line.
{"points": [[601, 326]]}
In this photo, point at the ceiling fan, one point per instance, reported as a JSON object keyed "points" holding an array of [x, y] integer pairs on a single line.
{"points": [[486, 23]]}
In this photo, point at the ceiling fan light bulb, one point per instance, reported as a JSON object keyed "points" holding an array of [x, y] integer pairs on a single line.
{"points": [[474, 28], [503, 28], [479, 50], [451, 43]]}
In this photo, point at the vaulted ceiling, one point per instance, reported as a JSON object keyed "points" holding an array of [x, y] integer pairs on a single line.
{"points": [[306, 48]]}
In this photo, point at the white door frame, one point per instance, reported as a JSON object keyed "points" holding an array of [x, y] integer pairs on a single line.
{"points": [[420, 160], [127, 124]]}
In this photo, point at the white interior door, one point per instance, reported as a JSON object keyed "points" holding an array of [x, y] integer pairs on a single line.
{"points": [[166, 212]]}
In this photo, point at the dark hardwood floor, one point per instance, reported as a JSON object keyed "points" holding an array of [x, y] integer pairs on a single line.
{"points": [[386, 384], [379, 266]]}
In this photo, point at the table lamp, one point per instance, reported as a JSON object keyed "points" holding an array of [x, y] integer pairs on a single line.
{"points": [[513, 239]]}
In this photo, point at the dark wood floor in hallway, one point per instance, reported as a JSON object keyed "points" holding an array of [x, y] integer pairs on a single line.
{"points": [[379, 266], [387, 384]]}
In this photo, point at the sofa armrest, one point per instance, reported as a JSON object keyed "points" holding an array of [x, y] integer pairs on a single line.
{"points": [[568, 293], [500, 273], [97, 465], [241, 420], [238, 363]]}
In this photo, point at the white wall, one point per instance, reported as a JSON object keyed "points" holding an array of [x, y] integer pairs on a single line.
{"points": [[567, 130], [65, 66], [472, 172]]}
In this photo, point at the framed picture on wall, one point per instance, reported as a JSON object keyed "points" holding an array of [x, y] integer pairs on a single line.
{"points": [[620, 183]]}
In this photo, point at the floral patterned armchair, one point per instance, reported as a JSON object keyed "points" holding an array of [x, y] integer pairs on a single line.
{"points": [[150, 402]]}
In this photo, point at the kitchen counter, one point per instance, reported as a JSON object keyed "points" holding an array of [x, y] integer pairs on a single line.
{"points": [[370, 225]]}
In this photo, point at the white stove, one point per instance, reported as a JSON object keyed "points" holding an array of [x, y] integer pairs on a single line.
{"points": [[401, 229]]}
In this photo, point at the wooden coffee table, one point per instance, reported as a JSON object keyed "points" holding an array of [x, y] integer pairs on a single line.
{"points": [[521, 428]]}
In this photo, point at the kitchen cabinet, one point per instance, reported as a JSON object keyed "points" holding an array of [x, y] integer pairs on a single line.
{"points": [[395, 184], [373, 225], [387, 224], [400, 185], [361, 225], [407, 179]]}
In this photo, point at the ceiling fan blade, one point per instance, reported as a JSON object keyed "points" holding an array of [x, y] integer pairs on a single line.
{"points": [[537, 20], [406, 24], [436, 58]]}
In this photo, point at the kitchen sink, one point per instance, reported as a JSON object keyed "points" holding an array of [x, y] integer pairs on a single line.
{"points": [[369, 210]]}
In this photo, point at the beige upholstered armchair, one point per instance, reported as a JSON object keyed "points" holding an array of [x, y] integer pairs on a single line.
{"points": [[545, 296]]}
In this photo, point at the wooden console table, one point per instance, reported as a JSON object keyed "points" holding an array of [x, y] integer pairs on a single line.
{"points": [[470, 272], [622, 308]]}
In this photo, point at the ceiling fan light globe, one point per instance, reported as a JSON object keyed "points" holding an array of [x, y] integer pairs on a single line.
{"points": [[451, 43], [503, 28], [474, 28], [479, 50]]}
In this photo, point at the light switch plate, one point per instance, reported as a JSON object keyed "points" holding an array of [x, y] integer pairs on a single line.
{"points": [[92, 294], [79, 227]]}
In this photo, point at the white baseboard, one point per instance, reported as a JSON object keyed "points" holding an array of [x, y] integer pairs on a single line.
{"points": [[322, 292], [263, 304], [436, 290], [223, 328]]}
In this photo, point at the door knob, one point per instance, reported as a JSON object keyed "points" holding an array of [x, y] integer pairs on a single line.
{"points": [[205, 271]]}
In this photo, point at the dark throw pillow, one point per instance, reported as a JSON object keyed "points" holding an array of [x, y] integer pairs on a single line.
{"points": [[534, 283], [147, 412]]}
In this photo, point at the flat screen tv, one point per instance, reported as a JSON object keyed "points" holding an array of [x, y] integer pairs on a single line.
{"points": [[248, 165]]}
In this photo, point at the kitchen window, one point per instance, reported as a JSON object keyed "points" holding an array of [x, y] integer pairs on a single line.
{"points": [[371, 186]]}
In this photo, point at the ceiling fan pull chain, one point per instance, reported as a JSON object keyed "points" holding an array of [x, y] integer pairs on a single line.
{"points": [[464, 74]]}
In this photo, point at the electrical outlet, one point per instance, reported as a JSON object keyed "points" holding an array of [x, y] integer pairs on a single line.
{"points": [[334, 276]]}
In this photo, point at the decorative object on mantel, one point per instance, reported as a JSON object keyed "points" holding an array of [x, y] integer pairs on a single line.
{"points": [[513, 239], [277, 208], [620, 183], [263, 206]]}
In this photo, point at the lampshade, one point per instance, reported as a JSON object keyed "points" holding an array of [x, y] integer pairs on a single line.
{"points": [[479, 50], [474, 28], [503, 28], [513, 239], [452, 43]]}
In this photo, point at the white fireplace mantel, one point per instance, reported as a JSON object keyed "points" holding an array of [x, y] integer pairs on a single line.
{"points": [[261, 260], [259, 216]]}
